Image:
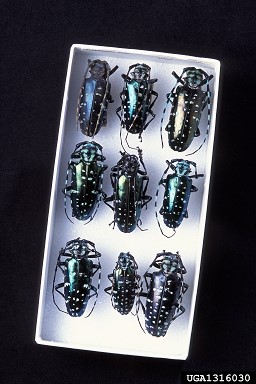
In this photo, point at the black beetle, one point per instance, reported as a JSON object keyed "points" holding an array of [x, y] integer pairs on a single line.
{"points": [[129, 185], [177, 189], [164, 292], [188, 101], [124, 283], [136, 98], [85, 190], [76, 264], [94, 97]]}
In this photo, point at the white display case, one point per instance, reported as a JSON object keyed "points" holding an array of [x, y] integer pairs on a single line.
{"points": [[105, 329]]}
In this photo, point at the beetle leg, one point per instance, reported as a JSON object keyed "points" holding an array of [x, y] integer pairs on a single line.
{"points": [[146, 198], [96, 267], [110, 276], [61, 264], [153, 116], [110, 198], [197, 132], [184, 288], [94, 293], [113, 70], [162, 182], [107, 290], [56, 288], [59, 286], [193, 188], [113, 222], [113, 178], [117, 112], [179, 312], [65, 190], [110, 99], [179, 79], [147, 275], [154, 93]]}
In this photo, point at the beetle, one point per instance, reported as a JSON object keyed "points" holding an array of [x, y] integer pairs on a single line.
{"points": [[124, 283], [129, 185], [188, 101], [76, 262], [137, 99], [165, 288], [94, 97], [177, 189], [85, 172]]}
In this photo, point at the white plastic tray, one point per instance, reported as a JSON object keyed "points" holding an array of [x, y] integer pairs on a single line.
{"points": [[106, 330]]}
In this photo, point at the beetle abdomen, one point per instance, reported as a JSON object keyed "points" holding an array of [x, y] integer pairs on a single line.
{"points": [[162, 294], [176, 199], [92, 106], [85, 184], [135, 109], [128, 203], [77, 285], [123, 293], [185, 117]]}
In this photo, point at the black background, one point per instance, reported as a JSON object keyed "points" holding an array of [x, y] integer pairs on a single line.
{"points": [[35, 43]]}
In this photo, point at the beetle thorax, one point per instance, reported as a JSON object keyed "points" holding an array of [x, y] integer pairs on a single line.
{"points": [[98, 69], [182, 168], [124, 260], [194, 78], [169, 264], [130, 166], [140, 73], [88, 154]]}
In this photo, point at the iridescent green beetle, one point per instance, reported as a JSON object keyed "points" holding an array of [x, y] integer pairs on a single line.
{"points": [[77, 265], [177, 189], [137, 99], [94, 97], [129, 184], [188, 100], [85, 172], [124, 283]]}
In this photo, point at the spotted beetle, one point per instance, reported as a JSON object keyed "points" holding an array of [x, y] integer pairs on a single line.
{"points": [[164, 292], [136, 99], [129, 185], [178, 187], [86, 169], [94, 97], [76, 264], [188, 101], [125, 283]]}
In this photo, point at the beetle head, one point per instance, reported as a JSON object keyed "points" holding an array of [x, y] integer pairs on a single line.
{"points": [[140, 72], [77, 247], [88, 152], [125, 260], [170, 263], [194, 78], [98, 69], [130, 165], [182, 168]]}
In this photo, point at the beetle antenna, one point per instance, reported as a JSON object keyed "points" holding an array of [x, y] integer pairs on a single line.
{"points": [[162, 119], [141, 158]]}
